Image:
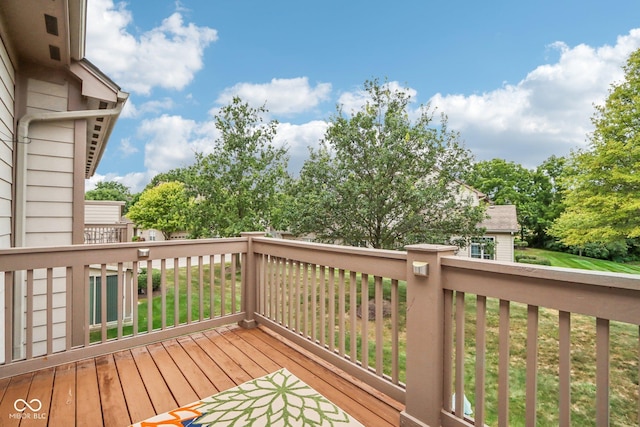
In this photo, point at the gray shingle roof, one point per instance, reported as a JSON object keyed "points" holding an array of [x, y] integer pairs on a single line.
{"points": [[502, 218]]}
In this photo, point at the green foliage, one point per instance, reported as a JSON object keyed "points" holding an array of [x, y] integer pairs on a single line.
{"points": [[111, 190], [532, 259], [238, 185], [536, 193], [603, 190], [383, 180], [163, 208], [156, 279]]}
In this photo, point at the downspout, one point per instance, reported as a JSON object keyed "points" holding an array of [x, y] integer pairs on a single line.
{"points": [[21, 160], [21, 195]]}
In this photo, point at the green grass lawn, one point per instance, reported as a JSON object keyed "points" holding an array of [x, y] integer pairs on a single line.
{"points": [[562, 259]]}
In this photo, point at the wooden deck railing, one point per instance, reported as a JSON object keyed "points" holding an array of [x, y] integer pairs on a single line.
{"points": [[96, 234], [345, 303], [50, 297], [421, 326]]}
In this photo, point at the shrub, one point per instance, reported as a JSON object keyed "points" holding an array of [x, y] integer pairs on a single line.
{"points": [[529, 259], [520, 244], [156, 279], [518, 257]]}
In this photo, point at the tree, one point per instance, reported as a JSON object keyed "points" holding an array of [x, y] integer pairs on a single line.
{"points": [[603, 190], [163, 208], [534, 192], [111, 190], [237, 185], [380, 180]]}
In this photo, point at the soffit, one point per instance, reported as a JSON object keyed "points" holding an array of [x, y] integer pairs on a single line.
{"points": [[50, 33]]}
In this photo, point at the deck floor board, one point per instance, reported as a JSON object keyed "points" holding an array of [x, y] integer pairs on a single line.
{"points": [[132, 385]]}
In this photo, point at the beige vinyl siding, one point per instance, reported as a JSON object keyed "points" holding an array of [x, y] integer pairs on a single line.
{"points": [[49, 200], [49, 169], [7, 107], [7, 112], [504, 247], [96, 212]]}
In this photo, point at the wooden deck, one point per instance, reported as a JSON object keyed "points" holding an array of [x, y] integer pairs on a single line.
{"points": [[129, 386]]}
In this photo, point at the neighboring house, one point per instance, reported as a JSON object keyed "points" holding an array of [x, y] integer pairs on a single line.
{"points": [[152, 235], [57, 111], [501, 227], [104, 222]]}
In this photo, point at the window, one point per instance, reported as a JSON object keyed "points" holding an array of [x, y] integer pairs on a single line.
{"points": [[483, 248], [152, 235]]}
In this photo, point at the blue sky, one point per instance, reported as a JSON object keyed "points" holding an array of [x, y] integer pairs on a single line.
{"points": [[518, 80]]}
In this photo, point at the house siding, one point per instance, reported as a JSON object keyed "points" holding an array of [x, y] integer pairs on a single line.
{"points": [[7, 107], [49, 201], [96, 212], [504, 247]]}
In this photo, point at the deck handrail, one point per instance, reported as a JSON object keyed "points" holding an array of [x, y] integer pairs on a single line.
{"points": [[333, 301]]}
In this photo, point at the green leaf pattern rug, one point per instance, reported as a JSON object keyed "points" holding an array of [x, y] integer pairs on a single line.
{"points": [[278, 399]]}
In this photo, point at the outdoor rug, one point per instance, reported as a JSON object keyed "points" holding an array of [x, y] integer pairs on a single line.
{"points": [[277, 399]]}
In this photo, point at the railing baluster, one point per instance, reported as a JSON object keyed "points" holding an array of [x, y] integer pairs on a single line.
{"points": [[103, 302], [323, 305], [29, 331], [49, 310], [149, 296], [223, 285], [87, 308], [364, 315], [602, 372], [176, 292], [341, 312], [8, 316], [283, 292], [68, 308], [314, 303], [532, 364], [163, 292], [298, 297], [353, 308], [447, 376], [564, 371], [481, 348], [212, 267], [135, 269], [234, 284], [379, 323], [120, 297], [503, 365], [459, 401], [201, 287], [332, 309], [395, 335], [305, 299], [189, 291], [290, 295]]}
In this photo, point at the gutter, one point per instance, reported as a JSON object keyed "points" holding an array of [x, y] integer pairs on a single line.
{"points": [[21, 148]]}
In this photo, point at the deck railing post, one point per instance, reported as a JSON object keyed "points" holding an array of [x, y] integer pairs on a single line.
{"points": [[425, 336], [250, 285]]}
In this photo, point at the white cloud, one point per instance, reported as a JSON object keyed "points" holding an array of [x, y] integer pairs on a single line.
{"points": [[172, 142], [355, 100], [298, 139], [135, 181], [282, 96], [548, 112], [167, 56], [126, 148]]}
